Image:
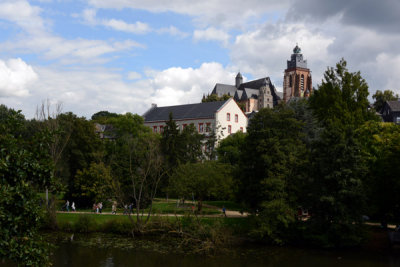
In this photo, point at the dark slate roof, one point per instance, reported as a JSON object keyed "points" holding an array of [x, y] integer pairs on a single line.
{"points": [[181, 112], [224, 89], [238, 95], [250, 93], [394, 105], [256, 84]]}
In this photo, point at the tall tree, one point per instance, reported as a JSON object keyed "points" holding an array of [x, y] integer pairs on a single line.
{"points": [[337, 177], [381, 97], [24, 169], [382, 143], [271, 168], [342, 97], [202, 180]]}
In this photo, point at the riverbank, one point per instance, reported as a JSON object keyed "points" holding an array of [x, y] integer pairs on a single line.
{"points": [[101, 249]]}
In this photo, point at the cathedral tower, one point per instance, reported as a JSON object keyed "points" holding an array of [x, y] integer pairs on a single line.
{"points": [[297, 81]]}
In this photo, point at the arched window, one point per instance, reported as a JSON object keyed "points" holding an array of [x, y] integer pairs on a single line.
{"points": [[302, 83], [290, 81]]}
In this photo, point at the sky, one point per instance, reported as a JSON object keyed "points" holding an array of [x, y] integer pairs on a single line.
{"points": [[124, 55]]}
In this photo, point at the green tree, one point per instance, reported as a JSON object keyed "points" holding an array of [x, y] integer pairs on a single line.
{"points": [[381, 97], [136, 163], [93, 184], [229, 149], [382, 143], [338, 170], [24, 169], [342, 97], [214, 97], [273, 152], [103, 116], [83, 148], [202, 180]]}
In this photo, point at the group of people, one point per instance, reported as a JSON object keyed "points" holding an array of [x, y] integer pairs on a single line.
{"points": [[66, 206], [98, 207]]}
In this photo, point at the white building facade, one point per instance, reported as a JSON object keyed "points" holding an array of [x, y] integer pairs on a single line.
{"points": [[222, 117]]}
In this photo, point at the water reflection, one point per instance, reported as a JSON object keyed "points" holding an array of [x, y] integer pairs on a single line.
{"points": [[111, 251]]}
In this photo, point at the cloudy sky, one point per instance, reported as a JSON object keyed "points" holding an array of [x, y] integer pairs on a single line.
{"points": [[123, 55]]}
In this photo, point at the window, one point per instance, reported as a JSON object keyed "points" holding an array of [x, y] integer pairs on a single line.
{"points": [[208, 127], [241, 129], [229, 129], [154, 129], [228, 116], [201, 127], [398, 120], [302, 83], [236, 118], [161, 129]]}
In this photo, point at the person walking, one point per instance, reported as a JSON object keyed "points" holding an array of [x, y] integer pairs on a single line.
{"points": [[100, 206], [224, 210], [67, 205], [114, 208], [73, 206]]}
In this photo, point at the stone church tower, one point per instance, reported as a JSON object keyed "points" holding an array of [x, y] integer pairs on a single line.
{"points": [[297, 81], [265, 99]]}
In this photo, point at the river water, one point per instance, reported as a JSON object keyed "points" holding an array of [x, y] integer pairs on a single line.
{"points": [[110, 250]]}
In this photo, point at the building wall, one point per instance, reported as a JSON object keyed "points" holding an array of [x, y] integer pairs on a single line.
{"points": [[181, 123], [293, 89], [222, 119], [219, 123]]}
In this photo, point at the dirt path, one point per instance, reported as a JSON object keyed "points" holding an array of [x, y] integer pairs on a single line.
{"points": [[229, 213]]}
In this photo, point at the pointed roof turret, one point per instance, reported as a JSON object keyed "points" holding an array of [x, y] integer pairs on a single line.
{"points": [[296, 49], [238, 80]]}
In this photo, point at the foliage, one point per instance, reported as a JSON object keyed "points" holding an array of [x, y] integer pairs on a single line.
{"points": [[336, 189], [83, 147], [381, 97], [272, 153], [103, 116], [229, 149], [342, 98], [137, 171], [93, 184], [180, 147], [214, 97], [202, 180], [21, 168], [382, 143]]}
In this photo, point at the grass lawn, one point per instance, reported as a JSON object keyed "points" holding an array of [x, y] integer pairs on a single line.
{"points": [[229, 205], [161, 206]]}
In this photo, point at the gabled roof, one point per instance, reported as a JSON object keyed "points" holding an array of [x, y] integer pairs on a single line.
{"points": [[250, 93], [394, 105], [224, 89], [238, 95], [182, 112], [255, 84]]}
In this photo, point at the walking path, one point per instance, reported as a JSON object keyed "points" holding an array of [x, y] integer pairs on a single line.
{"points": [[229, 213]]}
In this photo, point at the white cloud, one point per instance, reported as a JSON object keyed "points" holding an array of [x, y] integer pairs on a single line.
{"points": [[211, 34], [264, 52], [134, 75], [85, 91], [218, 13], [23, 14], [175, 86], [172, 30], [15, 76], [120, 25]]}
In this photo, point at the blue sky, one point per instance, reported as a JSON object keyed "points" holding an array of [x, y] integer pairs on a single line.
{"points": [[123, 55]]}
